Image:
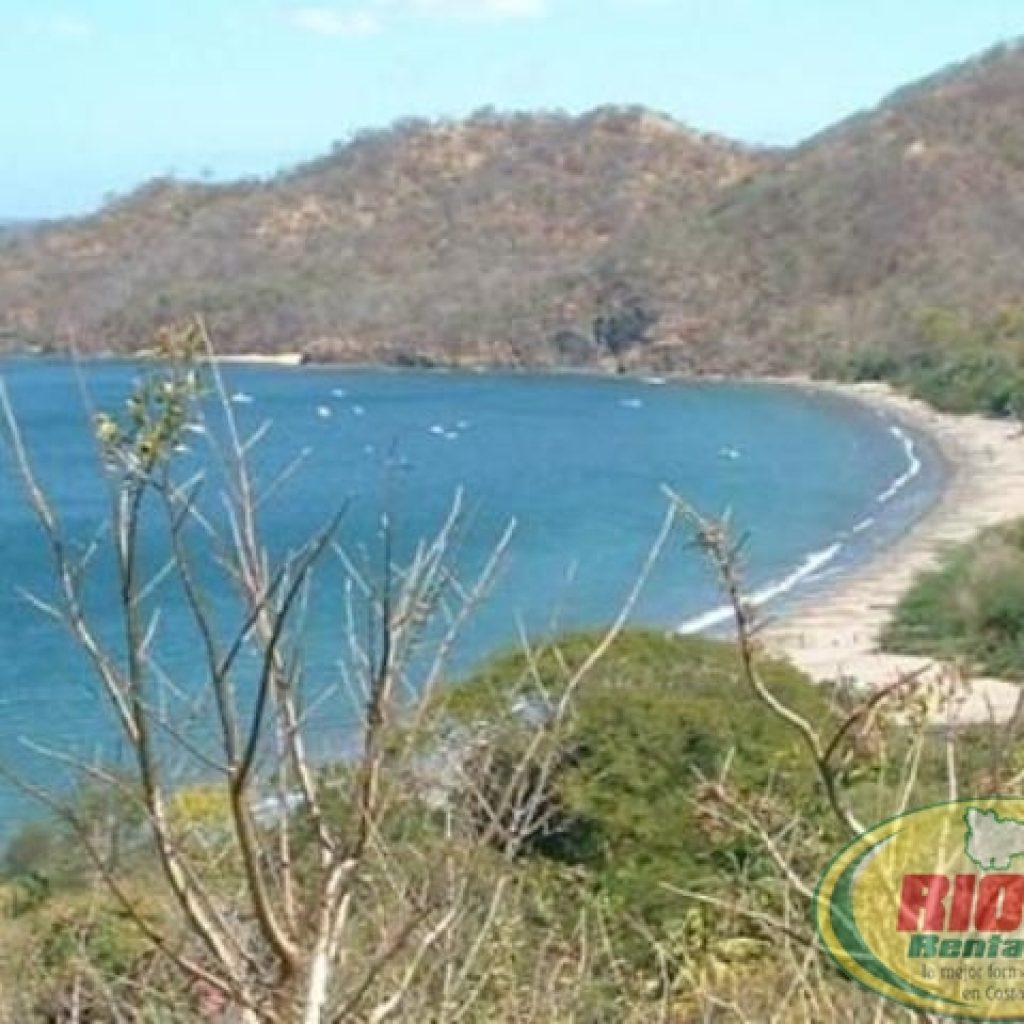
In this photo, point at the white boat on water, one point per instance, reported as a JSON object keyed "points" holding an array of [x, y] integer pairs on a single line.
{"points": [[261, 359], [241, 398]]}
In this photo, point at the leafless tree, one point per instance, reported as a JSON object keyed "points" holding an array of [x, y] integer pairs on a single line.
{"points": [[297, 899], [860, 726]]}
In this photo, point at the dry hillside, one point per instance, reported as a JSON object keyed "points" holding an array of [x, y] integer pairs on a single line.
{"points": [[545, 239]]}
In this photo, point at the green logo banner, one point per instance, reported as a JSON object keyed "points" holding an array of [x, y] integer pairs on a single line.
{"points": [[927, 909]]}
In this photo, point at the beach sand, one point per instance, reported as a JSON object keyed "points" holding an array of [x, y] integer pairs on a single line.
{"points": [[835, 635]]}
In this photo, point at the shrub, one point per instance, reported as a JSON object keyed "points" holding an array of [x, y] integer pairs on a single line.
{"points": [[657, 717], [955, 364], [30, 851], [970, 607]]}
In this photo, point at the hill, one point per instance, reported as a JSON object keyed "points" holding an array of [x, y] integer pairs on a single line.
{"points": [[12, 226], [617, 237]]}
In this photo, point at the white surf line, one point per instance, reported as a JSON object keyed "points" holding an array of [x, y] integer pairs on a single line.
{"points": [[864, 524], [816, 559], [808, 567], [913, 466], [837, 637]]}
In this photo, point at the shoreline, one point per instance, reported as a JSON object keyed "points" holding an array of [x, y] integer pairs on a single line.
{"points": [[834, 634]]}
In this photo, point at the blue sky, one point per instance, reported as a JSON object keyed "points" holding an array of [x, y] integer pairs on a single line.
{"points": [[97, 95]]}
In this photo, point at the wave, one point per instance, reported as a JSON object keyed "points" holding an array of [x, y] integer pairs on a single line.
{"points": [[808, 567], [913, 466], [864, 524]]}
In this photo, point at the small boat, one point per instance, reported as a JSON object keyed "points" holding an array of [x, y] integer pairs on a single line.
{"points": [[728, 452], [631, 403], [323, 412], [241, 398], [358, 410]]}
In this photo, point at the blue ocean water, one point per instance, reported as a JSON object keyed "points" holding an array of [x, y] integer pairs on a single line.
{"points": [[818, 482]]}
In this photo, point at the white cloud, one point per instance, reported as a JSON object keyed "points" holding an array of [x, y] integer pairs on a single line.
{"points": [[324, 21], [481, 8], [373, 15]]}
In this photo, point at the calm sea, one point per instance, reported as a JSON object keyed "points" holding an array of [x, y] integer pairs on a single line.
{"points": [[817, 482]]}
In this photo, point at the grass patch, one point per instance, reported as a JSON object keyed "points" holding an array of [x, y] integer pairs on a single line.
{"points": [[971, 607]]}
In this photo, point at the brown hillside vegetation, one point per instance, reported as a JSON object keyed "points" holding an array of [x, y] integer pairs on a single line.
{"points": [[618, 236]]}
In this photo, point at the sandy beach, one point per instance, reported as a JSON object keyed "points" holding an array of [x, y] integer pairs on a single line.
{"points": [[835, 635]]}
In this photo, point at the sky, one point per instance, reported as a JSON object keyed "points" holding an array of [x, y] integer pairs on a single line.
{"points": [[96, 96]]}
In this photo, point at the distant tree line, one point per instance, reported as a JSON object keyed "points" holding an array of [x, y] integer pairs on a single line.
{"points": [[956, 362]]}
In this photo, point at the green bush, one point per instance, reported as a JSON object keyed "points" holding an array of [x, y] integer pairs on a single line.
{"points": [[30, 851], [971, 607], [656, 717], [956, 365]]}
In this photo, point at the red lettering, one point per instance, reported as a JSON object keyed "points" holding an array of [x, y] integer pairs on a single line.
{"points": [[1000, 903], [962, 903], [923, 893]]}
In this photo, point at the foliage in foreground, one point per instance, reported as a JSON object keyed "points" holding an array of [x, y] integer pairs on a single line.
{"points": [[658, 721], [629, 897], [666, 774]]}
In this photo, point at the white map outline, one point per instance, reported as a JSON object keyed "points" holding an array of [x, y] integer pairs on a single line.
{"points": [[992, 842]]}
